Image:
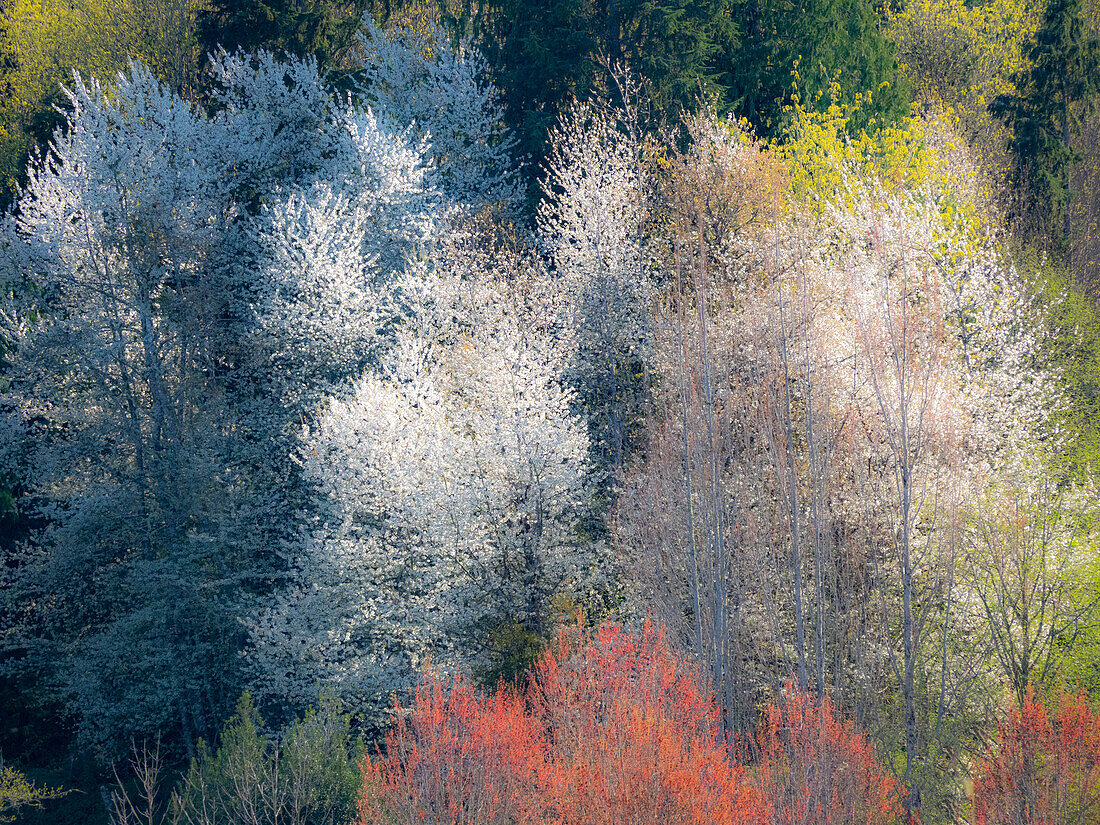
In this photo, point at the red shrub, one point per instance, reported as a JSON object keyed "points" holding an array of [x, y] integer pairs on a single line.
{"points": [[1042, 771], [458, 758], [635, 738], [616, 730], [816, 768]]}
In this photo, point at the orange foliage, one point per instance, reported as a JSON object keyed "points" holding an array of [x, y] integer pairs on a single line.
{"points": [[457, 758], [1042, 771], [614, 730], [817, 768], [634, 736]]}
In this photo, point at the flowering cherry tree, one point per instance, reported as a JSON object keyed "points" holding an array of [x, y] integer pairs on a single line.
{"points": [[207, 279], [447, 484], [592, 228], [417, 81], [118, 226]]}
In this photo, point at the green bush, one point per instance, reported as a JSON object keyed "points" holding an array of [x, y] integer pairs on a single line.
{"points": [[310, 777]]}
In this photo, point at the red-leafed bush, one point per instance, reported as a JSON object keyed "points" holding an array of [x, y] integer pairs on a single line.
{"points": [[615, 729], [1042, 770], [634, 736], [458, 758], [816, 768]]}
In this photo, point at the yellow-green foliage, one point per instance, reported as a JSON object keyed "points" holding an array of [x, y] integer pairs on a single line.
{"points": [[16, 791], [1071, 349], [826, 162], [822, 156], [1080, 656], [958, 57], [43, 41]]}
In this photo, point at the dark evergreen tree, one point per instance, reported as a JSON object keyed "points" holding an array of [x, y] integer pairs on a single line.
{"points": [[1064, 73], [804, 47], [677, 45], [324, 29], [542, 55], [547, 53], [740, 53]]}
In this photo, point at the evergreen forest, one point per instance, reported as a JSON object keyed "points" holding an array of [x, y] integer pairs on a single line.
{"points": [[549, 412]]}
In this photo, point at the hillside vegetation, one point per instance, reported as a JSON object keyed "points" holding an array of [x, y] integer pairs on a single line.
{"points": [[550, 413]]}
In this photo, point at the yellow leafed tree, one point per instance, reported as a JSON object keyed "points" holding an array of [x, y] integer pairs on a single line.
{"points": [[959, 56], [42, 42], [16, 791]]}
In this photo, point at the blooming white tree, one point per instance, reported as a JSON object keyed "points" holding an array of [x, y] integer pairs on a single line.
{"points": [[330, 257], [117, 226], [285, 122], [202, 280], [592, 225], [449, 482], [416, 80], [448, 471]]}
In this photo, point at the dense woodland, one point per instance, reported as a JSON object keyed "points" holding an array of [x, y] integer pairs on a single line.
{"points": [[549, 412]]}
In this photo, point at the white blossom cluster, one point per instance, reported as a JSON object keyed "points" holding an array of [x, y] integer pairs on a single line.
{"points": [[450, 479], [419, 82], [592, 227], [218, 296]]}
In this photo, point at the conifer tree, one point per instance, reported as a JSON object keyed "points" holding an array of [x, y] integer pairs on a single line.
{"points": [[541, 56], [678, 46], [321, 29], [803, 48], [1065, 71]]}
